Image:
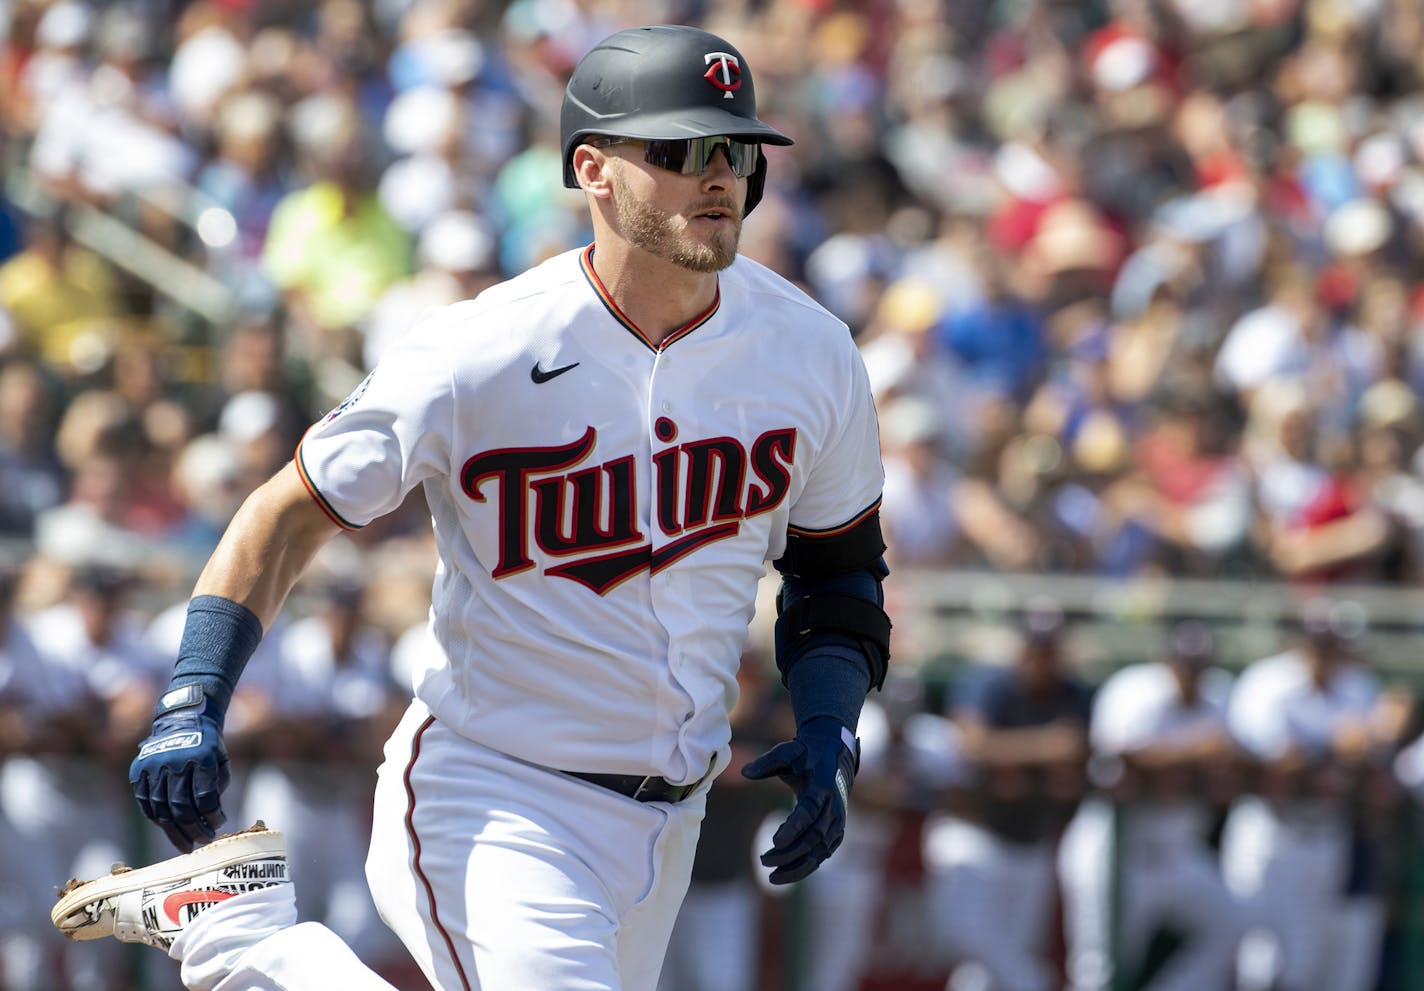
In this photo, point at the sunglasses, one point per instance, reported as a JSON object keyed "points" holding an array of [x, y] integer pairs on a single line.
{"points": [[691, 156]]}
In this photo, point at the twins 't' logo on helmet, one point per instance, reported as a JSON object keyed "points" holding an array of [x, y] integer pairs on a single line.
{"points": [[724, 72]]}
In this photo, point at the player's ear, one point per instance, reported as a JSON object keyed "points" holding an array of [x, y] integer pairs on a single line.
{"points": [[591, 168]]}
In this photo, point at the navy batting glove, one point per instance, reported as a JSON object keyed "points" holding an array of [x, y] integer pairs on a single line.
{"points": [[819, 766], [181, 770]]}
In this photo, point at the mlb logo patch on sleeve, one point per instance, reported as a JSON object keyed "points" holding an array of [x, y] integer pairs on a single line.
{"points": [[350, 400]]}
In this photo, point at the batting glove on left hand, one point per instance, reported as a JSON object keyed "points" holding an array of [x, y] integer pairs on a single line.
{"points": [[819, 766], [181, 770]]}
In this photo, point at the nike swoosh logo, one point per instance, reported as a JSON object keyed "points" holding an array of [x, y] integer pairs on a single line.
{"points": [[540, 376], [178, 899]]}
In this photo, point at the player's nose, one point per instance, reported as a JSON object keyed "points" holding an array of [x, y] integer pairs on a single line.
{"points": [[719, 174]]}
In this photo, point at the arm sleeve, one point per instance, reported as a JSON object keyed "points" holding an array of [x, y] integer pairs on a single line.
{"points": [[831, 680]]}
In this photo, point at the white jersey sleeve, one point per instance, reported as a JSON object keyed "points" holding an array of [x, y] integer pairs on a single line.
{"points": [[1128, 708], [807, 365], [362, 459], [848, 474], [1257, 709]]}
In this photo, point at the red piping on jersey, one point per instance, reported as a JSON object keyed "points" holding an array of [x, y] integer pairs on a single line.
{"points": [[854, 522], [317, 497], [586, 260], [415, 861]]}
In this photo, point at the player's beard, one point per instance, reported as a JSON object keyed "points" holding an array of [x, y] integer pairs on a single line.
{"points": [[664, 235]]}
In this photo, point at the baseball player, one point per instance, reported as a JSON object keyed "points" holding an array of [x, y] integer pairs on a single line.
{"points": [[1157, 729], [990, 860], [80, 690], [611, 445], [1315, 717], [860, 925]]}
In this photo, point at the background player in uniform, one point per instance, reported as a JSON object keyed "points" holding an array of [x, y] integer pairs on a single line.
{"points": [[611, 445], [990, 862], [83, 691], [1161, 744], [1316, 718]]}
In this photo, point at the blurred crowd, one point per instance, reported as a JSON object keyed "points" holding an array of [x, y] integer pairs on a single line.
{"points": [[1137, 286], [1136, 280]]}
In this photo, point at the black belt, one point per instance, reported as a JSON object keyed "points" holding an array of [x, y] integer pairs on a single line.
{"points": [[647, 788]]}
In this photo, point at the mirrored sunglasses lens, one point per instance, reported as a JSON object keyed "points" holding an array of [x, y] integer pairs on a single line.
{"points": [[743, 157], [671, 155], [740, 154], [691, 157]]}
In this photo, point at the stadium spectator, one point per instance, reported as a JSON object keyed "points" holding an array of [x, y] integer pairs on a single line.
{"points": [[56, 292], [331, 247], [921, 526], [245, 177], [1187, 491], [31, 478], [1339, 534], [256, 356]]}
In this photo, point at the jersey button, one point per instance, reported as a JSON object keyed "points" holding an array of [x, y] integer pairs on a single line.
{"points": [[667, 406]]}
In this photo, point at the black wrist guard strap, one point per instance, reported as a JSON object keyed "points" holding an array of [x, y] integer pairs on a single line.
{"points": [[804, 620]]}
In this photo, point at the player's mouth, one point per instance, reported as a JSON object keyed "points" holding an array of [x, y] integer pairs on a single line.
{"points": [[716, 215]]}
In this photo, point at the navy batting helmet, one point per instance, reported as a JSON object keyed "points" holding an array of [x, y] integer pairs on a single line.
{"points": [[664, 82]]}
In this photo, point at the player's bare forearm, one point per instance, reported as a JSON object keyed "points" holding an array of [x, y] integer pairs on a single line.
{"points": [[1053, 743], [1182, 753], [267, 546]]}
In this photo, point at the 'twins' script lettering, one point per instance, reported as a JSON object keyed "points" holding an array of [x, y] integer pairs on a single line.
{"points": [[702, 491]]}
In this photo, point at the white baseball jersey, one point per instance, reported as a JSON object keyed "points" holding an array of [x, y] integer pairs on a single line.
{"points": [[125, 663], [1290, 861], [1276, 705], [603, 507], [1141, 706], [29, 680]]}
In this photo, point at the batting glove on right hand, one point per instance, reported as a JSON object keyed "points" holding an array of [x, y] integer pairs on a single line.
{"points": [[181, 770], [819, 766]]}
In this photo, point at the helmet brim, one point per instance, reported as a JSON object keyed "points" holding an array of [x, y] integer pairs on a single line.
{"points": [[701, 122]]}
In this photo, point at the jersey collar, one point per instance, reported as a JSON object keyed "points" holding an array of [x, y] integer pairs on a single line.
{"points": [[586, 261]]}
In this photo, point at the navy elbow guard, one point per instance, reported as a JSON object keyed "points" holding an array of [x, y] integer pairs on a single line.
{"points": [[834, 596]]}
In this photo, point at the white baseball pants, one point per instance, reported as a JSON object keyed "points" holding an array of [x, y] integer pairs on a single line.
{"points": [[841, 899], [502, 876], [1165, 883], [991, 901], [252, 943], [1289, 866], [715, 944]]}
